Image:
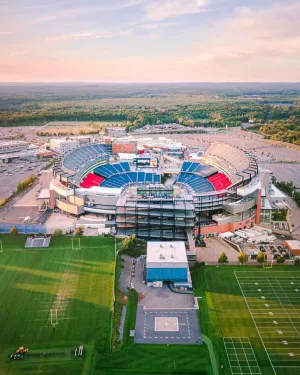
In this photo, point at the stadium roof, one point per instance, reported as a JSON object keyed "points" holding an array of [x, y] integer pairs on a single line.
{"points": [[103, 190], [166, 252], [293, 244]]}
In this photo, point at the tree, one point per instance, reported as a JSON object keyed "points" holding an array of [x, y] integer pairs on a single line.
{"points": [[297, 261], [223, 258], [14, 231], [243, 258], [280, 259], [261, 257], [79, 231], [58, 232], [128, 244]]}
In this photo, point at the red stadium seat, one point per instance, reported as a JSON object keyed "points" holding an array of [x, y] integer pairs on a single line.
{"points": [[219, 181], [91, 180]]}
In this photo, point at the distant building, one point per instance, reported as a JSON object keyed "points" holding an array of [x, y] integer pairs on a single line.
{"points": [[167, 261], [272, 199], [293, 246], [116, 132], [13, 146], [63, 146], [124, 147]]}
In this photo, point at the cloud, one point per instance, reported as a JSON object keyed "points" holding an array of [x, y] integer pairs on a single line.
{"points": [[159, 25], [157, 10], [69, 13], [249, 45], [132, 3], [5, 33], [33, 7], [266, 33], [90, 35]]}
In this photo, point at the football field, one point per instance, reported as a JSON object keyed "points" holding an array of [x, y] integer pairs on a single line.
{"points": [[252, 315], [54, 299], [273, 300]]}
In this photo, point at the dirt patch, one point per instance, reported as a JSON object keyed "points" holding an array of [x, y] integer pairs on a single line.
{"points": [[76, 127]]}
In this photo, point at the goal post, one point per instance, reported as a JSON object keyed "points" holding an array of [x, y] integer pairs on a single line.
{"points": [[53, 317], [76, 243], [267, 263]]}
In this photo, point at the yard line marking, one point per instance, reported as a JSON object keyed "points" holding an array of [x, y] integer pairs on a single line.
{"points": [[254, 321], [247, 351], [283, 307], [262, 320]]}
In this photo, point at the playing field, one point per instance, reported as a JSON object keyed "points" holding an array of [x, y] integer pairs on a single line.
{"points": [[77, 285], [249, 316], [252, 315]]}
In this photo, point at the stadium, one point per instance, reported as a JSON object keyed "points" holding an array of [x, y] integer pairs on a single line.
{"points": [[215, 192]]}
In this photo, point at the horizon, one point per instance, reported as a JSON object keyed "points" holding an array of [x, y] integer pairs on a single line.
{"points": [[149, 82], [150, 41]]}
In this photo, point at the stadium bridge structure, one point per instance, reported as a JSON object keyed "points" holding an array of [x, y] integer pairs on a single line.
{"points": [[219, 192]]}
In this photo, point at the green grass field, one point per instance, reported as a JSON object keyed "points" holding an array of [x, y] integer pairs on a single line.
{"points": [[252, 316], [79, 284]]}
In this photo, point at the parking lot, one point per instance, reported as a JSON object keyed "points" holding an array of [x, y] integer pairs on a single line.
{"points": [[12, 174], [284, 172]]}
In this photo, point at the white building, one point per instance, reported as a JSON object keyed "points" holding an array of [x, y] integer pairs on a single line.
{"points": [[13, 146], [167, 261], [63, 146]]}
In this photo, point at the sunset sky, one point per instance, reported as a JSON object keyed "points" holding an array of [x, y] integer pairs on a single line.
{"points": [[149, 40]]}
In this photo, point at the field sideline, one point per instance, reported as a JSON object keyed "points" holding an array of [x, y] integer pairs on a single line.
{"points": [[78, 283]]}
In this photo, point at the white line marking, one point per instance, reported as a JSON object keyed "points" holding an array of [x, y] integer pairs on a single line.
{"points": [[253, 320]]}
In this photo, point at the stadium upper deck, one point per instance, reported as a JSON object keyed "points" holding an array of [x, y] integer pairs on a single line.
{"points": [[218, 182]]}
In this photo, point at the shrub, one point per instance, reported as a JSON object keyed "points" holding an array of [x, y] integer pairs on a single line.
{"points": [[243, 258], [261, 257], [223, 258], [14, 231], [297, 261], [79, 231], [58, 233], [280, 259]]}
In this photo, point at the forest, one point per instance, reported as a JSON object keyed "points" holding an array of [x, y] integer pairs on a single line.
{"points": [[270, 109]]}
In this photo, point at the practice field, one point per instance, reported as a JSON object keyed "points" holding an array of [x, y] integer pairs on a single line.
{"points": [[75, 127], [77, 285], [273, 300], [252, 316]]}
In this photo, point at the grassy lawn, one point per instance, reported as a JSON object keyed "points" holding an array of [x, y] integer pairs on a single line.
{"points": [[238, 308], [155, 359], [224, 314], [79, 284]]}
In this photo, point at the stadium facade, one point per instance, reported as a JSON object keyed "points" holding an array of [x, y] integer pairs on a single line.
{"points": [[219, 192]]}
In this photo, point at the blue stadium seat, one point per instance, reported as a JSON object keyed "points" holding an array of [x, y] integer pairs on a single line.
{"points": [[75, 158], [185, 166], [125, 166], [156, 178], [141, 177], [192, 167], [118, 168], [149, 177], [133, 176]]}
